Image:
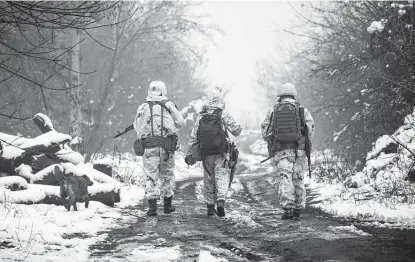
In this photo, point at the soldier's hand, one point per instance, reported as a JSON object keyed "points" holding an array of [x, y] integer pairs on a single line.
{"points": [[189, 160]]}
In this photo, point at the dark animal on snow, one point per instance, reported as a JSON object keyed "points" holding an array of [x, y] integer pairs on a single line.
{"points": [[72, 188]]}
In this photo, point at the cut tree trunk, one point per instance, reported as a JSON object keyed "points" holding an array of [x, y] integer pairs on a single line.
{"points": [[106, 169], [43, 123]]}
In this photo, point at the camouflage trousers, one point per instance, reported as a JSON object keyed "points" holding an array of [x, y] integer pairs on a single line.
{"points": [[216, 178], [291, 189], [158, 166]]}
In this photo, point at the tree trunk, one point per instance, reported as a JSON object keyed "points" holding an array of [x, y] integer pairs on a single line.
{"points": [[75, 113]]}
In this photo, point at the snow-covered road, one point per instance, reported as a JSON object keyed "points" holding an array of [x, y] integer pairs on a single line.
{"points": [[251, 231]]}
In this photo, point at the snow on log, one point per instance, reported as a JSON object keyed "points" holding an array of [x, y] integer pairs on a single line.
{"points": [[45, 177], [68, 155], [106, 169], [40, 162], [43, 122], [10, 139], [13, 183], [46, 140], [108, 198], [24, 171], [95, 175], [45, 143], [29, 196]]}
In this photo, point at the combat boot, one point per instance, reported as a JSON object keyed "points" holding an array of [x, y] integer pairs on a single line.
{"points": [[221, 208], [152, 204], [211, 209], [168, 207], [288, 214]]}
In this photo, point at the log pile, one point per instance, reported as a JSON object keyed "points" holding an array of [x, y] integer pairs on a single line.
{"points": [[27, 168]]}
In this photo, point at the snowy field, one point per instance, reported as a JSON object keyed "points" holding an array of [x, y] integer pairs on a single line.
{"points": [[362, 196], [50, 233]]}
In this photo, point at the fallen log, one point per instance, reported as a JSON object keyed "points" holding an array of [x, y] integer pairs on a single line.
{"points": [[43, 194]]}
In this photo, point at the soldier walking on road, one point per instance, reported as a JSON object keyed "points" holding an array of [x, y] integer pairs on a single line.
{"points": [[284, 129], [156, 123], [210, 136]]}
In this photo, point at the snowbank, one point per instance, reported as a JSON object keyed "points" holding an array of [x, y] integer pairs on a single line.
{"points": [[10, 181], [354, 203], [40, 232]]}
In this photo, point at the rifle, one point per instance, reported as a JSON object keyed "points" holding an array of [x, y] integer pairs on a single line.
{"points": [[307, 141], [268, 158], [308, 151], [125, 131], [233, 160]]}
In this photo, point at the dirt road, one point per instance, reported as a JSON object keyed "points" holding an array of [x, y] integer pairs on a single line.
{"points": [[251, 231]]}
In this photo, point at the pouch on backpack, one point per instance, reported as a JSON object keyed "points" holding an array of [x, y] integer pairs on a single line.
{"points": [[196, 153], [170, 144]]}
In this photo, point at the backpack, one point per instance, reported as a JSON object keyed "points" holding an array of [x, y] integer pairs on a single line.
{"points": [[287, 125], [211, 134]]}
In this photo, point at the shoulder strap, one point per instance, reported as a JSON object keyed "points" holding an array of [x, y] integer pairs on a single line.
{"points": [[162, 104]]}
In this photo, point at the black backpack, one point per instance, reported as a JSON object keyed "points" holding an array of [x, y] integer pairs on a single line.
{"points": [[288, 125], [212, 135]]}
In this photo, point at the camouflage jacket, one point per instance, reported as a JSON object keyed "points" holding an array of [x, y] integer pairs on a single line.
{"points": [[172, 118], [227, 120]]}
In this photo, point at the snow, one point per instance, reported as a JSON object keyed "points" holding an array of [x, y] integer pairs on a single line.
{"points": [[97, 188], [76, 140], [240, 220], [13, 180], [68, 155], [401, 12], [149, 252], [47, 139], [206, 256], [11, 152], [30, 195], [38, 231], [376, 26], [15, 140], [348, 229], [24, 171], [364, 195], [344, 202], [95, 175]]}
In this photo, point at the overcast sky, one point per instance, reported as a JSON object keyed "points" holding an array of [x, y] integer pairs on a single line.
{"points": [[250, 34]]}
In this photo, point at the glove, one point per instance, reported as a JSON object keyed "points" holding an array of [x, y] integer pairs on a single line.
{"points": [[189, 160]]}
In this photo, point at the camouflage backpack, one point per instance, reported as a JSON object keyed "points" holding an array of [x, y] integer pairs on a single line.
{"points": [[212, 135], [287, 125]]}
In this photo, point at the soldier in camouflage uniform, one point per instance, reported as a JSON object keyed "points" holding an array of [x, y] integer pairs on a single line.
{"points": [[216, 169], [158, 164], [290, 164]]}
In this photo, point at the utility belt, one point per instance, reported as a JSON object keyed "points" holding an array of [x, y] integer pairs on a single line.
{"points": [[168, 143], [275, 146]]}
